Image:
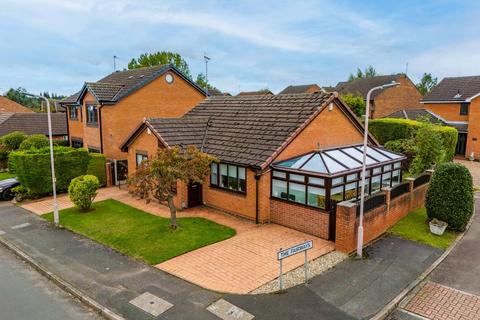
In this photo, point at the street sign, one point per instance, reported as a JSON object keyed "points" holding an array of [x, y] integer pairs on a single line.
{"points": [[282, 254]]}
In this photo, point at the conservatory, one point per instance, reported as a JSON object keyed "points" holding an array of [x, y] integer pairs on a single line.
{"points": [[321, 178]]}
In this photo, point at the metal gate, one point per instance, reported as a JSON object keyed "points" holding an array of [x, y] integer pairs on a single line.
{"points": [[332, 221]]}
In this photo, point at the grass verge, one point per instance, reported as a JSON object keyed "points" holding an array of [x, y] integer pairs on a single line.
{"points": [[6, 175], [414, 226], [139, 234]]}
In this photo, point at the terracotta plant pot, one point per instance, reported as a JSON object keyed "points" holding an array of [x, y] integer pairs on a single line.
{"points": [[437, 227]]}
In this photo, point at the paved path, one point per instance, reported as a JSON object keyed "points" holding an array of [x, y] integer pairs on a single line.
{"points": [[240, 264], [113, 279], [453, 289], [474, 167], [26, 295]]}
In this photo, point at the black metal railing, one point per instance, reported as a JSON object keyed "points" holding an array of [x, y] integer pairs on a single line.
{"points": [[399, 189], [421, 180], [372, 202]]}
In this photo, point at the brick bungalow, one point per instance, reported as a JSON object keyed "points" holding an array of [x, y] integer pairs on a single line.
{"points": [[457, 100], [33, 123], [384, 102], [103, 113], [278, 154]]}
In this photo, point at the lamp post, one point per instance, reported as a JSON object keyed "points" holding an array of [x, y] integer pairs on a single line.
{"points": [[52, 161], [364, 164]]}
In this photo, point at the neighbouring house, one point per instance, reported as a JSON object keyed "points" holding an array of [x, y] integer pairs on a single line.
{"points": [[33, 123], [256, 93], [216, 92], [286, 159], [7, 105], [306, 88], [457, 100], [103, 113], [384, 102]]}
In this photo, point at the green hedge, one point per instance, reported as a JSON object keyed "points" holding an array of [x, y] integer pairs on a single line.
{"points": [[450, 195], [388, 129], [96, 167], [32, 168]]}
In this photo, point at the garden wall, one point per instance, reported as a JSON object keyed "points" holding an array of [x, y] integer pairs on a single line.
{"points": [[301, 218], [377, 220]]}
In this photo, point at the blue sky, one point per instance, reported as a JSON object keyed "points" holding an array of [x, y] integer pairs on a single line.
{"points": [[56, 46]]}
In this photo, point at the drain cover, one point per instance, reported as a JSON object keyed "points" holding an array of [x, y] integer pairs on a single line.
{"points": [[227, 311], [151, 304]]}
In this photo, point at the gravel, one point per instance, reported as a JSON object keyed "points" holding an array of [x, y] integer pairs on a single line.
{"points": [[297, 276]]}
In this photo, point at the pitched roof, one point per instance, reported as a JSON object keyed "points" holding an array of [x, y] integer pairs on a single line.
{"points": [[32, 123], [216, 92], [419, 114], [256, 93], [247, 130], [361, 86], [301, 89], [7, 105], [119, 84], [454, 89]]}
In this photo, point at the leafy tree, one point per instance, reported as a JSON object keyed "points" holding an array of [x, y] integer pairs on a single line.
{"points": [[12, 141], [158, 176], [356, 103], [429, 149], [202, 82], [427, 83], [158, 58], [368, 73], [19, 96], [36, 141]]}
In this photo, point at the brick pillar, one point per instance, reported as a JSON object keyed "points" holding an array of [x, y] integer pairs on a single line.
{"points": [[410, 180], [345, 229], [387, 191]]}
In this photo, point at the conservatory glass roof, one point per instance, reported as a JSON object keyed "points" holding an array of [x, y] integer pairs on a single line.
{"points": [[334, 161]]}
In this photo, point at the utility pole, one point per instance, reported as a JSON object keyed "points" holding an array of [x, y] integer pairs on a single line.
{"points": [[114, 63], [206, 71]]}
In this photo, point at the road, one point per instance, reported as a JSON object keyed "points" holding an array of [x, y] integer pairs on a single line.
{"points": [[25, 294]]}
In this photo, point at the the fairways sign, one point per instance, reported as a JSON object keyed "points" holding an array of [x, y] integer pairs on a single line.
{"points": [[282, 254]]}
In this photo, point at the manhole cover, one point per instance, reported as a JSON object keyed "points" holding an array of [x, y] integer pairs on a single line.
{"points": [[151, 303]]}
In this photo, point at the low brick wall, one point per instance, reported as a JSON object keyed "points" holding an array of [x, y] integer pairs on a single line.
{"points": [[301, 218], [377, 220]]}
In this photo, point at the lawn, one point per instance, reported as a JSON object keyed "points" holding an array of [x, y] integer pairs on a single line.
{"points": [[6, 175], [415, 227], [139, 234]]}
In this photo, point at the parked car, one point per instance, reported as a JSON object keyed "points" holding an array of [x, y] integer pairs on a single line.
{"points": [[6, 187]]}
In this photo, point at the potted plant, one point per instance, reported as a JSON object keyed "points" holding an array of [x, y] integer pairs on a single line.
{"points": [[437, 227]]}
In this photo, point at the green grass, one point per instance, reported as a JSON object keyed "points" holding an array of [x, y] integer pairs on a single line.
{"points": [[6, 175], [139, 234], [414, 226]]}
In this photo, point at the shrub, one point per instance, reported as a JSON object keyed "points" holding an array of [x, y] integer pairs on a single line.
{"points": [[96, 167], [449, 139], [400, 145], [36, 141], [387, 129], [21, 193], [32, 168], [83, 190], [12, 140], [428, 149], [450, 195], [61, 143], [356, 103]]}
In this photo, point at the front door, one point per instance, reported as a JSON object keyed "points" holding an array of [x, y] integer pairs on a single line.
{"points": [[194, 195], [119, 171], [461, 144]]}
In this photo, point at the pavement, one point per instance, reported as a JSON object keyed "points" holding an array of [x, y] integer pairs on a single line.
{"points": [[452, 290], [26, 295], [353, 289]]}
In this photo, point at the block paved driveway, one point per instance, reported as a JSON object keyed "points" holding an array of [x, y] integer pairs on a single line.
{"points": [[237, 265], [453, 289]]}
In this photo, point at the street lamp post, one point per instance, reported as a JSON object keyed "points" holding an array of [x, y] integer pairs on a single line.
{"points": [[364, 164], [52, 161]]}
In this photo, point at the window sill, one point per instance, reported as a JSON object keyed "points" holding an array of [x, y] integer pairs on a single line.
{"points": [[92, 125], [71, 119], [240, 193]]}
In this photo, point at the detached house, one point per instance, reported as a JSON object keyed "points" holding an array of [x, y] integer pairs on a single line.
{"points": [[457, 100], [284, 158], [103, 113], [304, 88], [384, 102]]}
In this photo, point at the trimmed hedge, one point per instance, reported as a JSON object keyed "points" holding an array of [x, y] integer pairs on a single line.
{"points": [[450, 195], [388, 129], [12, 140], [36, 141], [96, 167], [32, 168]]}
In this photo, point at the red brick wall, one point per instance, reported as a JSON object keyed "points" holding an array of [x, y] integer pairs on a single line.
{"points": [[473, 138], [376, 221], [298, 217]]}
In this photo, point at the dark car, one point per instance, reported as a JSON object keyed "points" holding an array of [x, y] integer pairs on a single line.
{"points": [[6, 188]]}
